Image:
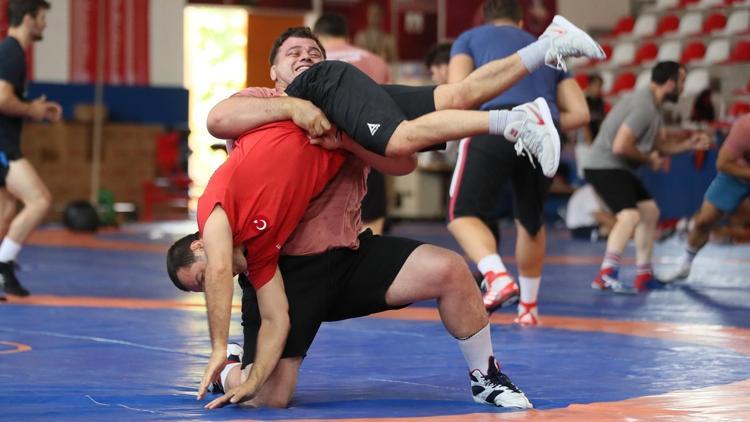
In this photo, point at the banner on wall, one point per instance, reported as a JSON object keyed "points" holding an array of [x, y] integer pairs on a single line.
{"points": [[126, 41]]}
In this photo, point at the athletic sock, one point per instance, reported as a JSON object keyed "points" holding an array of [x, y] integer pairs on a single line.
{"points": [[9, 250], [529, 288], [477, 349], [533, 54], [492, 263], [499, 119], [611, 260]]}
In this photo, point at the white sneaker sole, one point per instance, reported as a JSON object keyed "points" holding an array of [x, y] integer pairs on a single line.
{"points": [[554, 137]]}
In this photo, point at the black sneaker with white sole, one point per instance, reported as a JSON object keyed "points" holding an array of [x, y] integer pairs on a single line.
{"points": [[496, 389]]}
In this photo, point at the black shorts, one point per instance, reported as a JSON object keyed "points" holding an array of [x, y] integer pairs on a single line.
{"points": [[619, 189], [369, 113], [335, 285], [5, 158], [485, 164], [373, 204]]}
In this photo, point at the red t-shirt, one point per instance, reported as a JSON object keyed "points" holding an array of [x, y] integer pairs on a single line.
{"points": [[265, 187]]}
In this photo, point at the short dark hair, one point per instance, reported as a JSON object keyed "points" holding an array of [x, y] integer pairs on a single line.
{"points": [[294, 32], [439, 54], [332, 25], [17, 9], [503, 9], [180, 255], [665, 71]]}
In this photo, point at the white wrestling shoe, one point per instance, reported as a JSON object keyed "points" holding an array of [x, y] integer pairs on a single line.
{"points": [[235, 352], [528, 315], [536, 134], [568, 40], [499, 288], [677, 274], [496, 389]]}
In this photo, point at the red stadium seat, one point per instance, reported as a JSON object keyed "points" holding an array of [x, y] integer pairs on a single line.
{"points": [[739, 108], [624, 26], [741, 52], [695, 50], [714, 22], [607, 48], [625, 82], [685, 3], [583, 80], [646, 52], [668, 23]]}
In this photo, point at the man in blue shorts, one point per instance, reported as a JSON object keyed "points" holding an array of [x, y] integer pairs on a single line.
{"points": [[730, 187]]}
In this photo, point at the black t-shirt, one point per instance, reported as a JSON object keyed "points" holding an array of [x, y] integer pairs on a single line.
{"points": [[12, 71]]}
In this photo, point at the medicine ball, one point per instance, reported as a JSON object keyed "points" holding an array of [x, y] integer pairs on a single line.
{"points": [[81, 216]]}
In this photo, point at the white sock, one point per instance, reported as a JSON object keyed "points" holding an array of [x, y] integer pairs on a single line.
{"points": [[529, 288], [225, 373], [477, 349], [532, 55], [491, 263], [9, 250], [499, 119]]}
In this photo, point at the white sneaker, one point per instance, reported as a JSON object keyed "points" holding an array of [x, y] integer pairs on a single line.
{"points": [[528, 315], [499, 288], [677, 274], [496, 389], [568, 40], [536, 134]]}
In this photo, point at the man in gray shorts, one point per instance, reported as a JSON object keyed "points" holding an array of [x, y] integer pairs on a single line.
{"points": [[633, 134]]}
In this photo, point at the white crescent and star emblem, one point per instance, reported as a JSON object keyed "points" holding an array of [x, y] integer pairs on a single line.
{"points": [[260, 224]]}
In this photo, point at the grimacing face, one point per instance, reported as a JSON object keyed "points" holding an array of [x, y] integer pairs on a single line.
{"points": [[294, 57]]}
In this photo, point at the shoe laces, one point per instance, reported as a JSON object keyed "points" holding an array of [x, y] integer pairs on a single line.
{"points": [[559, 63], [495, 377], [528, 143]]}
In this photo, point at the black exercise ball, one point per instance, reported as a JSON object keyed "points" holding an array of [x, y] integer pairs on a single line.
{"points": [[81, 216]]}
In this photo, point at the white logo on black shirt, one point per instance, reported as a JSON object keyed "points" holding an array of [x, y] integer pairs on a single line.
{"points": [[373, 128]]}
